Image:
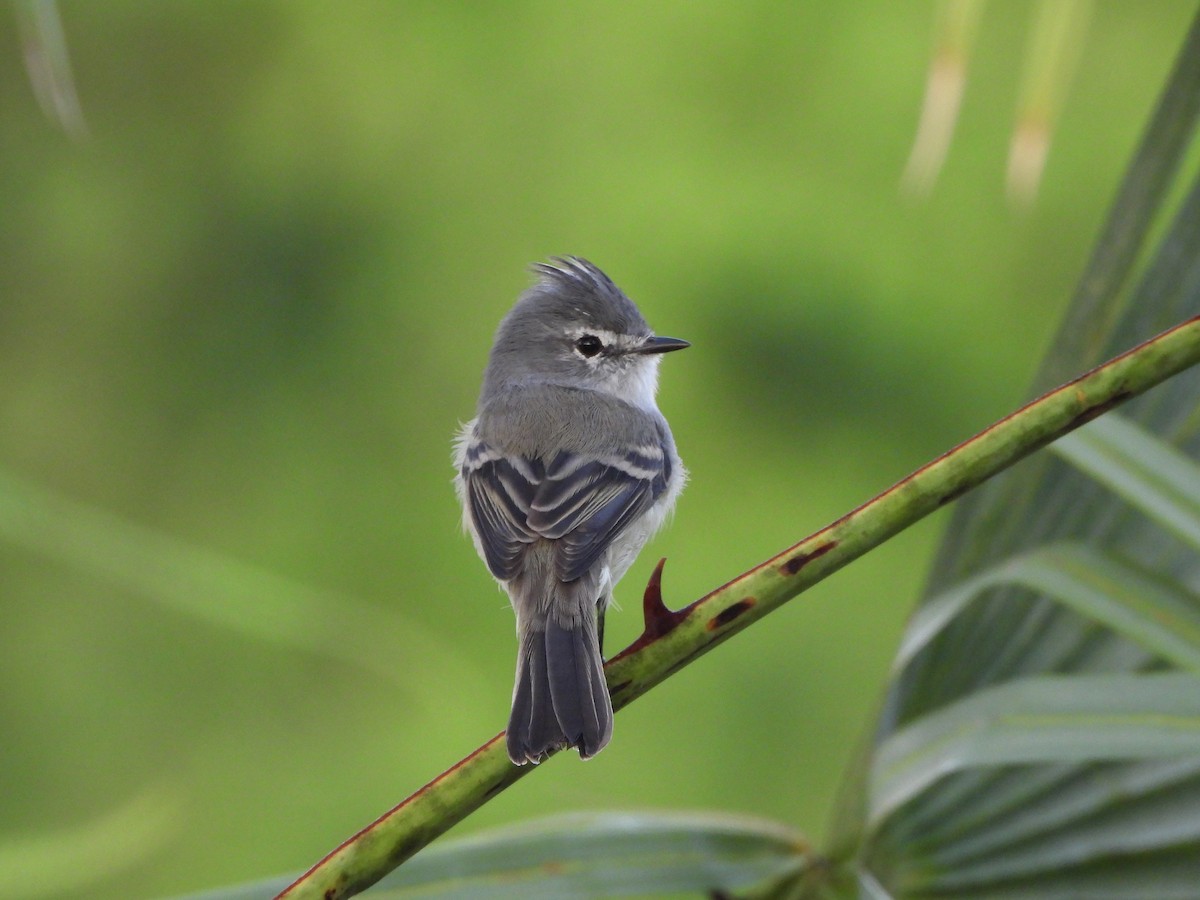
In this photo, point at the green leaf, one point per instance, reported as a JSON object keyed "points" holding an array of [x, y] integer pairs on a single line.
{"points": [[1146, 472], [1012, 631], [1030, 744], [591, 855], [1106, 812], [1162, 617], [1108, 314], [1051, 719], [605, 854]]}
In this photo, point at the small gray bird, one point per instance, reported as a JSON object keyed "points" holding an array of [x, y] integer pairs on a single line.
{"points": [[565, 472]]}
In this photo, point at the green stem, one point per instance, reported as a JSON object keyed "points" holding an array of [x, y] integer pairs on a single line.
{"points": [[672, 639]]}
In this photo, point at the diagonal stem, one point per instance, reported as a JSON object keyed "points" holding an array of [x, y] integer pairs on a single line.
{"points": [[672, 639]]}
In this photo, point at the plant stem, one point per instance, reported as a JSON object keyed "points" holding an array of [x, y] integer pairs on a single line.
{"points": [[672, 639]]}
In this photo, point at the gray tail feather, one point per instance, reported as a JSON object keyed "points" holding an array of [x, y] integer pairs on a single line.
{"points": [[532, 729], [561, 698]]}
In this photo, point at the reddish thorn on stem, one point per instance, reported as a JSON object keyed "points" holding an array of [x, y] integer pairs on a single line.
{"points": [[657, 618]]}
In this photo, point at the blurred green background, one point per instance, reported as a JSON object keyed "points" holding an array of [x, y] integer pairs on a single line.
{"points": [[240, 323]]}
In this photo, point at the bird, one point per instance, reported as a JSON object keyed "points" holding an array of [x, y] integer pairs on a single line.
{"points": [[565, 472]]}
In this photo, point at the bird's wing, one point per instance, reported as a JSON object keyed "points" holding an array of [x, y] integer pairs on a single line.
{"points": [[499, 493], [585, 501], [579, 500]]}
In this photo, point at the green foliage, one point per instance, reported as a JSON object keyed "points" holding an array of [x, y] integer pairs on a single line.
{"points": [[239, 322], [582, 855], [1033, 680], [1038, 738], [674, 638]]}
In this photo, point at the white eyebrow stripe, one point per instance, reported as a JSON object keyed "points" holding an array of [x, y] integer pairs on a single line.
{"points": [[608, 338]]}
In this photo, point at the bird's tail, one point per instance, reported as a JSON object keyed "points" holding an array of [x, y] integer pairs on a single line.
{"points": [[560, 698]]}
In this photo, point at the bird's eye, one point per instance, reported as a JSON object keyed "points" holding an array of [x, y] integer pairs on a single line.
{"points": [[589, 345]]}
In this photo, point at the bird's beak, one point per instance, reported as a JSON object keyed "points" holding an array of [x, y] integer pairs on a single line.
{"points": [[657, 344]]}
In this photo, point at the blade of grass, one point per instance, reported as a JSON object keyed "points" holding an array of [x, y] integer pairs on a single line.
{"points": [[1054, 45], [49, 65], [214, 588], [945, 83]]}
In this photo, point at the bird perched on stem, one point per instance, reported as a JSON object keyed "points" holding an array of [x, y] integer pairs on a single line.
{"points": [[565, 472]]}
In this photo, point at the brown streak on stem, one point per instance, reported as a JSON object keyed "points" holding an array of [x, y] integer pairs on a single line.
{"points": [[795, 563], [1100, 409], [727, 615]]}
